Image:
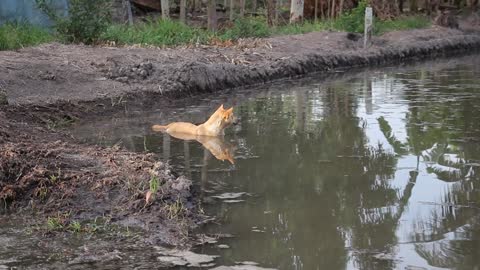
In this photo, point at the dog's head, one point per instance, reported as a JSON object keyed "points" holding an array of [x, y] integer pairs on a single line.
{"points": [[226, 116]]}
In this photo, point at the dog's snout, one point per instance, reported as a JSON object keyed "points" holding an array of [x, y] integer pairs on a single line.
{"points": [[235, 121]]}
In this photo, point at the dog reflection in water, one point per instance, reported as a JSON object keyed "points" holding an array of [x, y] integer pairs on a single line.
{"points": [[209, 134], [216, 145]]}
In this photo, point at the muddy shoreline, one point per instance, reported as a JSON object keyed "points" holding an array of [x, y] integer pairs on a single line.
{"points": [[47, 172]]}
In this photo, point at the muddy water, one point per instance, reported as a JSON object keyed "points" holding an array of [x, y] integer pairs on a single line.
{"points": [[373, 170]]}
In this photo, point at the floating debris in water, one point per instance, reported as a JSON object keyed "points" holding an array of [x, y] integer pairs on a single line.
{"points": [[230, 195], [233, 201], [247, 263], [241, 267], [223, 246], [256, 229], [205, 239], [352, 156], [184, 258]]}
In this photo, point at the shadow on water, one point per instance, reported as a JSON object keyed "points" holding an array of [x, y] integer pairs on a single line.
{"points": [[373, 170]]}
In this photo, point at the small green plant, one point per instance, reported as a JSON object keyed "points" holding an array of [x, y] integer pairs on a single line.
{"points": [[85, 22], [175, 209], [19, 35], [59, 123], [154, 184], [42, 191], [75, 227], [54, 224], [54, 178]]}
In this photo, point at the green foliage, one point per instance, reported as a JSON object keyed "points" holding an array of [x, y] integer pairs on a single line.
{"points": [[302, 28], [54, 224], [157, 33], [154, 184], [247, 27], [20, 35], [401, 23], [75, 227], [86, 20], [353, 20]]}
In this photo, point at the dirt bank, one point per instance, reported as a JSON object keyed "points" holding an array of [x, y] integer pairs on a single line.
{"points": [[45, 171], [56, 72]]}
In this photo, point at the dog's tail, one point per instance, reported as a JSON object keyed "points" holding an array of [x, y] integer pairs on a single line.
{"points": [[159, 128]]}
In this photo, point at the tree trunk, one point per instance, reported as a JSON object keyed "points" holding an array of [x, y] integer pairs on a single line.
{"points": [[333, 10], [271, 12], [296, 11], [328, 9], [183, 9], [340, 8], [254, 6], [197, 5], [232, 5], [165, 9], [316, 11], [276, 7], [400, 5], [413, 6], [212, 15], [242, 9], [322, 13], [129, 12]]}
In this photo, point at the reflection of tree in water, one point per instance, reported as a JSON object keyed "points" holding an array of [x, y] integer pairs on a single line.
{"points": [[442, 128], [332, 174], [456, 253]]}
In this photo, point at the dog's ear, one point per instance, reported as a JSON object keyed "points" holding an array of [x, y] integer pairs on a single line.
{"points": [[220, 108], [229, 111]]}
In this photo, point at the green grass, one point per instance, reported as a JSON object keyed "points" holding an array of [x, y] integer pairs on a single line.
{"points": [[156, 33], [401, 23], [245, 28], [19, 35], [171, 33], [306, 27]]}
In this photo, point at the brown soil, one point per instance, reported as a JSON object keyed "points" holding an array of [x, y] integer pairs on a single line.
{"points": [[46, 171]]}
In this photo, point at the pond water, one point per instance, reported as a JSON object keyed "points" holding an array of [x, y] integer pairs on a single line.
{"points": [[371, 170]]}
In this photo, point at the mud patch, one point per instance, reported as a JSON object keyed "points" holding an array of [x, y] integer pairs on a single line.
{"points": [[132, 73]]}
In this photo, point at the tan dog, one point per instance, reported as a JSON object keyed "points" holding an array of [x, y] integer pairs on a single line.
{"points": [[214, 126]]}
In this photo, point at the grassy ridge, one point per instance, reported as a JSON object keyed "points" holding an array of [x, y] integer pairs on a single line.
{"points": [[19, 35], [171, 33]]}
